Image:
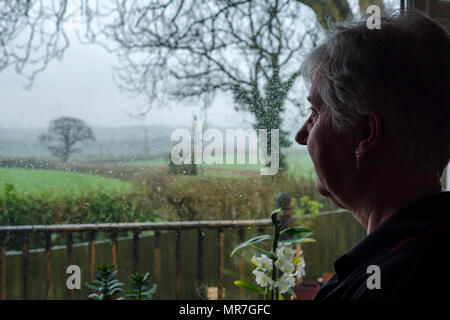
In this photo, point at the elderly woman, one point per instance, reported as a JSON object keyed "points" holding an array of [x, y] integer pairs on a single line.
{"points": [[379, 138]]}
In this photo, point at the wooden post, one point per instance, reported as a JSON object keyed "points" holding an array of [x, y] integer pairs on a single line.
{"points": [[221, 254], [70, 259], [157, 268], [114, 249], [92, 256], [200, 285], [298, 250], [2, 268], [135, 251], [178, 263], [25, 264], [48, 266], [241, 235]]}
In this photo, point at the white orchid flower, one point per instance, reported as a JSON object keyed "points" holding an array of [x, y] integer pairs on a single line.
{"points": [[284, 264], [286, 282], [263, 262], [262, 279], [285, 252]]}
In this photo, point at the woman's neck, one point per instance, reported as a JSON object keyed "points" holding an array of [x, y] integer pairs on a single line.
{"points": [[387, 196]]}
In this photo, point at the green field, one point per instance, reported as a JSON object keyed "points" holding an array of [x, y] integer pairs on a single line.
{"points": [[54, 183], [151, 163], [299, 165]]}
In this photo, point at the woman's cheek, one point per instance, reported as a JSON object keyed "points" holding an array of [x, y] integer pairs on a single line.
{"points": [[313, 147], [310, 142]]}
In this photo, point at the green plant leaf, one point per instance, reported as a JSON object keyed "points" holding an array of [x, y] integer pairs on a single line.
{"points": [[140, 287], [116, 290], [250, 242], [92, 285], [266, 252], [297, 232], [106, 284], [115, 285], [291, 241], [95, 296], [150, 291], [248, 286]]}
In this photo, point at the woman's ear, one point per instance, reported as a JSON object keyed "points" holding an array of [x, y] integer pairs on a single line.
{"points": [[369, 133]]}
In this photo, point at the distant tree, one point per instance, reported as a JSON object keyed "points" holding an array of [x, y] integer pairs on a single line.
{"points": [[193, 49], [63, 134], [185, 48]]}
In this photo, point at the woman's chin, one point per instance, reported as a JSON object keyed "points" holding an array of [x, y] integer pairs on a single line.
{"points": [[324, 192], [321, 188]]}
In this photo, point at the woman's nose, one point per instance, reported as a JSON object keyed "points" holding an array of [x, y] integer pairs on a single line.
{"points": [[302, 135]]}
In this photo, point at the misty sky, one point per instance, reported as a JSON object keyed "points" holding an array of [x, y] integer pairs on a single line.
{"points": [[81, 85]]}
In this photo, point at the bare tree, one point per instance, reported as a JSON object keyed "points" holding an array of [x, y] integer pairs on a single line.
{"points": [[32, 34], [187, 49], [63, 134], [191, 49]]}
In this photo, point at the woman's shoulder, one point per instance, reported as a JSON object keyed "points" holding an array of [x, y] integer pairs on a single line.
{"points": [[426, 267]]}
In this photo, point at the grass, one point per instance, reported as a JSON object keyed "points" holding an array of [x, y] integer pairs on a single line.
{"points": [[300, 165], [150, 163], [54, 183]]}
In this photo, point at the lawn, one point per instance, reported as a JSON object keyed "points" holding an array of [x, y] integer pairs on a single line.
{"points": [[54, 183], [150, 163], [300, 164]]}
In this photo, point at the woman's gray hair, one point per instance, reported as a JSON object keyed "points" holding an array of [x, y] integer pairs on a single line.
{"points": [[401, 72]]}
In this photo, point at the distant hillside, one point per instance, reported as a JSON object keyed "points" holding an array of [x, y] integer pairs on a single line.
{"points": [[121, 143], [110, 142]]}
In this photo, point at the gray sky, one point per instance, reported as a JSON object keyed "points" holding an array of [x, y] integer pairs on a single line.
{"points": [[81, 85]]}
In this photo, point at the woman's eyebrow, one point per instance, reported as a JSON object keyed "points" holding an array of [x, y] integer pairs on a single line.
{"points": [[311, 100], [315, 100]]}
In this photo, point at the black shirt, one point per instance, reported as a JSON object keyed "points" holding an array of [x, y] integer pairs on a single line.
{"points": [[411, 249]]}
